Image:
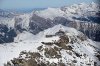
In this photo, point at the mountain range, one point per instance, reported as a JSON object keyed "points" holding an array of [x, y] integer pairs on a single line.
{"points": [[83, 17], [65, 36]]}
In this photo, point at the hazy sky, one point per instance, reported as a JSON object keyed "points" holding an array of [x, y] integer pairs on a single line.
{"points": [[18, 4]]}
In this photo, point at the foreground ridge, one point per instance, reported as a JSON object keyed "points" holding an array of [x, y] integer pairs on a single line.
{"points": [[60, 46]]}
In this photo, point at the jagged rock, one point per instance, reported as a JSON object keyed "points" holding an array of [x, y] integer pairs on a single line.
{"points": [[50, 53]]}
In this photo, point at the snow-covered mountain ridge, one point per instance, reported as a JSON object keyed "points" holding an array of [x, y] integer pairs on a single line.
{"points": [[6, 14], [36, 41], [82, 17], [48, 48], [76, 10]]}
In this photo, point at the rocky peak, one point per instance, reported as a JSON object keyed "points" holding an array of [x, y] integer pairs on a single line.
{"points": [[69, 49]]}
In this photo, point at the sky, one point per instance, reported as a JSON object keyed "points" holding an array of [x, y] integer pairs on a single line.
{"points": [[19, 4]]}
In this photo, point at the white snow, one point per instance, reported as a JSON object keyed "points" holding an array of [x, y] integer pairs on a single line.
{"points": [[75, 10], [50, 13], [31, 42], [56, 38], [12, 50], [24, 20], [23, 36]]}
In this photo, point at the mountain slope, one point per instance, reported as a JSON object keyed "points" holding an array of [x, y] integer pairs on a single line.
{"points": [[55, 46], [6, 14], [82, 17]]}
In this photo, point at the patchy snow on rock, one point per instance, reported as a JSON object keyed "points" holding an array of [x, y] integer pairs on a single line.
{"points": [[83, 49], [23, 20]]}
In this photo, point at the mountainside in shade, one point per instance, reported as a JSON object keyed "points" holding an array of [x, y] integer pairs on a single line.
{"points": [[7, 31], [56, 46], [6, 34]]}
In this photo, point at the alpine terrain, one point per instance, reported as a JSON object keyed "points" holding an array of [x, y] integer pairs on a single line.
{"points": [[65, 36]]}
